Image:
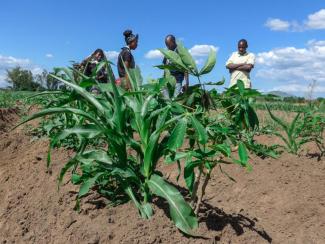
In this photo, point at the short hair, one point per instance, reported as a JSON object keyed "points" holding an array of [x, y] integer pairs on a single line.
{"points": [[172, 37], [244, 41]]}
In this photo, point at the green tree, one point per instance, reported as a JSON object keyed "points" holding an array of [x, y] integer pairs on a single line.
{"points": [[22, 79], [46, 80]]}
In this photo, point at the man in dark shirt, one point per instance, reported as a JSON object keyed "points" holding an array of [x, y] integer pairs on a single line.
{"points": [[179, 76]]}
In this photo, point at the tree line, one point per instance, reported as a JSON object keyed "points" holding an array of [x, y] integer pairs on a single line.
{"points": [[20, 79]]}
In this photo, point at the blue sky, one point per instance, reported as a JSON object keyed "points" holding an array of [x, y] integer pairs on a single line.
{"points": [[288, 38]]}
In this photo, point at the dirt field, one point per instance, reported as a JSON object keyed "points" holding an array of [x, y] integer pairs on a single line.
{"points": [[280, 201]]}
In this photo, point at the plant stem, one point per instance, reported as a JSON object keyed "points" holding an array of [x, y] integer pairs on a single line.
{"points": [[196, 187], [197, 208]]}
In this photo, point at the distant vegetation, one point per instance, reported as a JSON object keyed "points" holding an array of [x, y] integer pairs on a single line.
{"points": [[23, 80]]}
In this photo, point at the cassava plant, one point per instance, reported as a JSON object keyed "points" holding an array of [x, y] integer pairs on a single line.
{"points": [[211, 132]]}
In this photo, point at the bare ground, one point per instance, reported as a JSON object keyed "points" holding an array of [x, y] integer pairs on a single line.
{"points": [[280, 201]]}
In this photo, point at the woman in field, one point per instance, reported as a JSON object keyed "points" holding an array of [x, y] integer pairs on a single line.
{"points": [[126, 56], [89, 64]]}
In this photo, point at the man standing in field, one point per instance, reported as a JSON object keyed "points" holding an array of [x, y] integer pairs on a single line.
{"points": [[240, 65], [179, 76]]}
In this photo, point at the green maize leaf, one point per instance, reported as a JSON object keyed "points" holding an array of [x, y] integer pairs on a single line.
{"points": [[75, 179], [136, 77], [282, 137], [242, 152], [210, 63], [145, 105], [176, 138], [86, 185], [99, 67], [293, 124], [145, 210], [276, 119], [45, 93], [162, 117], [85, 131], [86, 83], [241, 87], [200, 130], [88, 96], [66, 167], [149, 152], [50, 111], [94, 155], [180, 212], [187, 58]]}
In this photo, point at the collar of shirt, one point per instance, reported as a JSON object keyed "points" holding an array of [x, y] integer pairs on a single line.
{"points": [[127, 47], [246, 53]]}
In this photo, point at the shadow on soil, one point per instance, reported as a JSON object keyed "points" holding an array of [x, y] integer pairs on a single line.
{"points": [[216, 219]]}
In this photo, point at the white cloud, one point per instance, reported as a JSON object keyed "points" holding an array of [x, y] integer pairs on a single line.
{"points": [[111, 55], [49, 55], [277, 24], [294, 68], [153, 54], [297, 88], [315, 21], [196, 51], [9, 62], [202, 50]]}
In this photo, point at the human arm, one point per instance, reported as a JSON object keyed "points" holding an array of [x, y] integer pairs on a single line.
{"points": [[245, 67], [127, 60], [127, 80], [186, 82]]}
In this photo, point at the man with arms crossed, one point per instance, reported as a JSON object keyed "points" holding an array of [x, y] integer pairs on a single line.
{"points": [[240, 65]]}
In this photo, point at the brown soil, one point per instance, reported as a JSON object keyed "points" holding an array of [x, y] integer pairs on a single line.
{"points": [[280, 201]]}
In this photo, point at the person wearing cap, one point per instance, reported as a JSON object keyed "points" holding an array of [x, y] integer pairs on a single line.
{"points": [[126, 56], [240, 64]]}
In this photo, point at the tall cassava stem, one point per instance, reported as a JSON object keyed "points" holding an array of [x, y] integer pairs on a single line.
{"points": [[196, 187], [205, 183]]}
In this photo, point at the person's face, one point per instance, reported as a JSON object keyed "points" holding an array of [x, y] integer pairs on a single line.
{"points": [[134, 44], [98, 56], [242, 47], [170, 44]]}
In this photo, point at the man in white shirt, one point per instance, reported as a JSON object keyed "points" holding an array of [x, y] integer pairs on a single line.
{"points": [[240, 64]]}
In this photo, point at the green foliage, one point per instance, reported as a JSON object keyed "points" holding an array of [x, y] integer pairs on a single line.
{"points": [[140, 127], [22, 80], [291, 132]]}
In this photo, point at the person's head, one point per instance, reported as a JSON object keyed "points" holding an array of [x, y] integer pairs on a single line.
{"points": [[170, 42], [98, 54], [130, 39], [242, 46]]}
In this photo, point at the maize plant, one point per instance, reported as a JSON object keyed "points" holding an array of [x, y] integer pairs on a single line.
{"points": [[292, 137], [135, 126], [141, 127]]}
